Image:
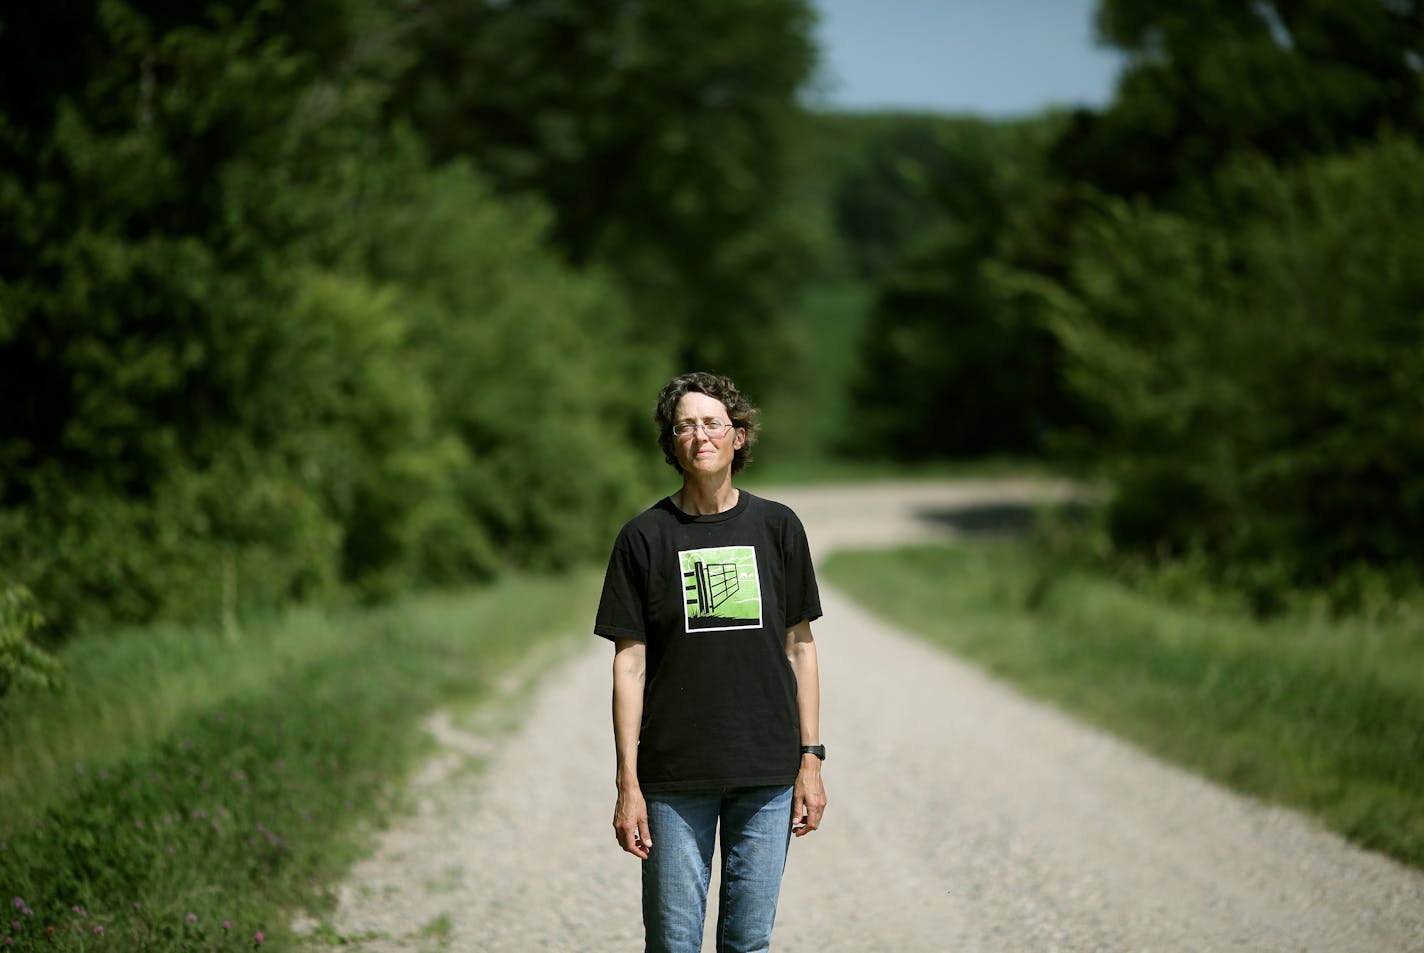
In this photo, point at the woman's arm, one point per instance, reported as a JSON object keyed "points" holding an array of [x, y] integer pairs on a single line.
{"points": [[809, 796], [630, 813]]}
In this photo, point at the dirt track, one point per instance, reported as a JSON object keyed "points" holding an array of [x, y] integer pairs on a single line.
{"points": [[962, 817]]}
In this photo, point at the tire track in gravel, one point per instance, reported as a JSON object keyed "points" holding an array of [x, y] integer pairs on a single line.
{"points": [[962, 816]]}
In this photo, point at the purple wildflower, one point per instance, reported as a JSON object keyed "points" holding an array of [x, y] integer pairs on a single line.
{"points": [[192, 918], [258, 937], [135, 905], [98, 929], [138, 823], [227, 924]]}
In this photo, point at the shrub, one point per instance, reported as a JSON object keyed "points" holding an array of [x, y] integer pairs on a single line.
{"points": [[1259, 359], [21, 661]]}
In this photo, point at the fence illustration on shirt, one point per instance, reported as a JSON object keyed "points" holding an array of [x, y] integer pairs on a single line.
{"points": [[721, 588]]}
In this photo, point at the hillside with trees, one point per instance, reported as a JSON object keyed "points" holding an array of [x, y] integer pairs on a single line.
{"points": [[1208, 292], [306, 300]]}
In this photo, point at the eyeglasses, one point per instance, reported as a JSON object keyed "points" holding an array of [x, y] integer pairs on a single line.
{"points": [[714, 429]]}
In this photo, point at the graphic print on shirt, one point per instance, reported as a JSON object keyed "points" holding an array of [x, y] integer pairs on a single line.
{"points": [[721, 589]]}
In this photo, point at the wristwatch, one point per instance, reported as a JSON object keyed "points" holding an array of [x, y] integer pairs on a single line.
{"points": [[817, 750]]}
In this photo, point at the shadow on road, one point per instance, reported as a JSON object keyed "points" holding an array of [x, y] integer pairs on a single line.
{"points": [[1000, 519]]}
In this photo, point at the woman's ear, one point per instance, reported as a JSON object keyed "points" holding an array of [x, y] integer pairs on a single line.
{"points": [[741, 438]]}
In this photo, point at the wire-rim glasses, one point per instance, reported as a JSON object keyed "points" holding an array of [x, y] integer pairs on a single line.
{"points": [[714, 429]]}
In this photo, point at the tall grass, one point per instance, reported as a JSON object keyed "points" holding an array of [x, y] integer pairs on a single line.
{"points": [[187, 790], [1306, 709]]}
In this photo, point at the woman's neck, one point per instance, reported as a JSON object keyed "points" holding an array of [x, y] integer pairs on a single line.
{"points": [[697, 498]]}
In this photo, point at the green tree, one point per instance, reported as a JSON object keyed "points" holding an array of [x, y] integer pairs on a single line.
{"points": [[881, 201], [252, 340], [655, 132], [952, 365], [1208, 80], [1259, 365]]}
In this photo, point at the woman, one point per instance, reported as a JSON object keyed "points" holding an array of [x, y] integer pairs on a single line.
{"points": [[709, 599]]}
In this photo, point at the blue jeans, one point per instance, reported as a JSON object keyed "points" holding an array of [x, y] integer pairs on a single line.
{"points": [[756, 829]]}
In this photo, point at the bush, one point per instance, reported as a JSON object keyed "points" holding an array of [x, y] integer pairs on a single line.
{"points": [[1259, 361], [281, 352], [952, 365], [21, 661]]}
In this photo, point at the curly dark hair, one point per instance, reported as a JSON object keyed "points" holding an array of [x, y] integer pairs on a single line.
{"points": [[718, 387]]}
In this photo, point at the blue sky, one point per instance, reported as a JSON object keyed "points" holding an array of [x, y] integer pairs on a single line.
{"points": [[990, 57]]}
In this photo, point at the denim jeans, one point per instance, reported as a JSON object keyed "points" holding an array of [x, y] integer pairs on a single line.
{"points": [[756, 829]]}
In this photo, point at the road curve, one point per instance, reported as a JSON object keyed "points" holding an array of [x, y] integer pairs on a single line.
{"points": [[962, 816]]}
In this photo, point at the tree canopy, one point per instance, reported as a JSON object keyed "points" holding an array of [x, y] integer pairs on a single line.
{"points": [[307, 298], [1208, 80], [1207, 290]]}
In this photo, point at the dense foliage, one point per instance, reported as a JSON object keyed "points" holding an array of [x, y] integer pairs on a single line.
{"points": [[21, 661], [951, 366], [277, 321], [1261, 366], [1210, 79], [1210, 286], [656, 134]]}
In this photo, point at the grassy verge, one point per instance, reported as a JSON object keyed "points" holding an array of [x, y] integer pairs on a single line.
{"points": [[188, 790], [1319, 713]]}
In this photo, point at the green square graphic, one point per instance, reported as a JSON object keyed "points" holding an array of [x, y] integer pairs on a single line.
{"points": [[721, 588]]}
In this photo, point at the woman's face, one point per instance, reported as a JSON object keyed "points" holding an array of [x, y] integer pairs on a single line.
{"points": [[697, 452]]}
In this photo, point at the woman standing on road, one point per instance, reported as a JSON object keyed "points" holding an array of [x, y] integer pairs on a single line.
{"points": [[709, 600]]}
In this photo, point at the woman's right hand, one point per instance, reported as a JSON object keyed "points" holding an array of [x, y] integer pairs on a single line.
{"points": [[630, 822]]}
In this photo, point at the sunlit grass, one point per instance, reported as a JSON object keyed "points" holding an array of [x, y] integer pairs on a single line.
{"points": [[1309, 710], [188, 791]]}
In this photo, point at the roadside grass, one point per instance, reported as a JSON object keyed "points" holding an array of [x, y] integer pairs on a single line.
{"points": [[189, 790], [1321, 713]]}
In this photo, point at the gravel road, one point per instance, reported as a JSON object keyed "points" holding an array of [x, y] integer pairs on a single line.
{"points": [[962, 817]]}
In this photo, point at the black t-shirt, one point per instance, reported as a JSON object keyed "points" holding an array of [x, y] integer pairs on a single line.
{"points": [[713, 596]]}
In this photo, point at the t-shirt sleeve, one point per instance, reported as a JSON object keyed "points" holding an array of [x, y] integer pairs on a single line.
{"points": [[622, 607], [803, 598]]}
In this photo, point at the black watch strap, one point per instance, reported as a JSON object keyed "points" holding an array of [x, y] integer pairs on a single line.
{"points": [[817, 750]]}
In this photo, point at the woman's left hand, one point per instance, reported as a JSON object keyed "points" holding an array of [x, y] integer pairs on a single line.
{"points": [[808, 797]]}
